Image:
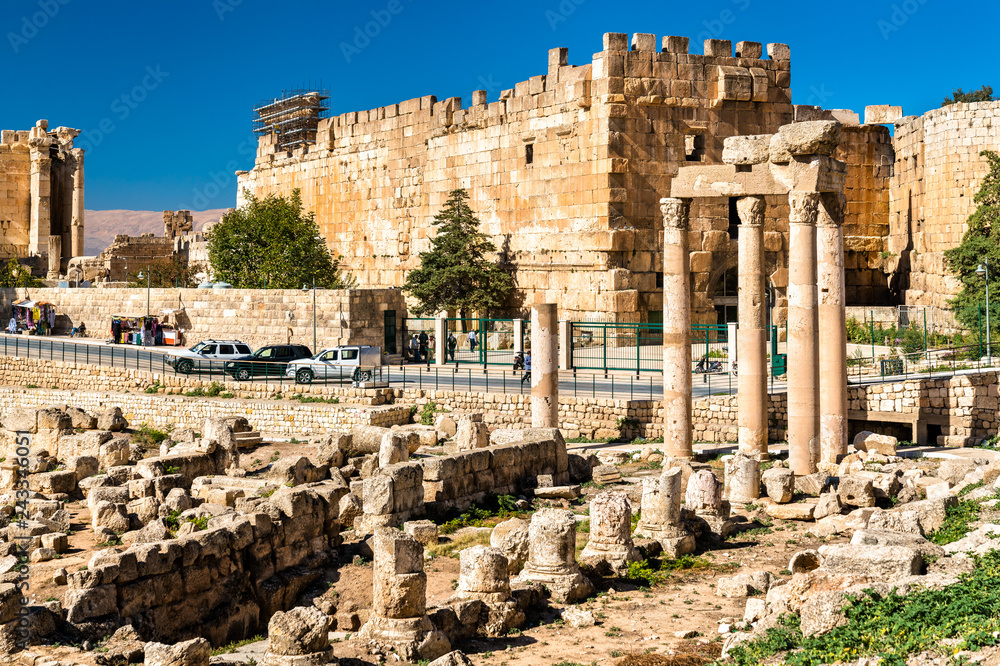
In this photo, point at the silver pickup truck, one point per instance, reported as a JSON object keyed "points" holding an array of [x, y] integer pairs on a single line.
{"points": [[343, 363]]}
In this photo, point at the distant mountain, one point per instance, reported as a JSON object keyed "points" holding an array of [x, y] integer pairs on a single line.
{"points": [[101, 226]]}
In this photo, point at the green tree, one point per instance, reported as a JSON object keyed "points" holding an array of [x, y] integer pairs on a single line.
{"points": [[16, 275], [271, 243], [984, 94], [980, 244], [458, 272]]}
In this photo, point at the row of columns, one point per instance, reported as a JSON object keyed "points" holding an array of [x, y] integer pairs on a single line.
{"points": [[817, 338]]}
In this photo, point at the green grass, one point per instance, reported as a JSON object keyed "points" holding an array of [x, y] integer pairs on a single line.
{"points": [[893, 626], [493, 509], [148, 436], [652, 572], [236, 645], [214, 390], [306, 399], [958, 518]]}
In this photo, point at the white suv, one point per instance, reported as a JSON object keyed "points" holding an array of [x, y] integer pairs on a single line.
{"points": [[200, 357]]}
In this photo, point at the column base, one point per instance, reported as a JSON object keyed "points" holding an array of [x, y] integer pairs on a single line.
{"points": [[411, 638], [565, 588]]}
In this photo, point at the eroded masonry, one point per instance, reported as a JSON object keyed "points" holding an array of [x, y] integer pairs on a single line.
{"points": [[566, 170]]}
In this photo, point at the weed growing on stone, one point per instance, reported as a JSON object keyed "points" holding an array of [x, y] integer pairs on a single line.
{"points": [[236, 645], [148, 437], [307, 399], [958, 518], [894, 626], [493, 509]]}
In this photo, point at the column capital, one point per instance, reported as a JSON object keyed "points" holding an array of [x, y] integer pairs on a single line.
{"points": [[750, 210], [803, 207], [831, 209], [675, 212]]}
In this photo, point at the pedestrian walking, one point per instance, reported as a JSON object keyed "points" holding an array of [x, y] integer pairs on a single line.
{"points": [[422, 342], [527, 369], [414, 345], [472, 341], [452, 344]]}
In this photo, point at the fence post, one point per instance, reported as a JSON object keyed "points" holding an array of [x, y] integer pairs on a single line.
{"points": [[734, 353], [518, 336], [927, 354], [441, 339], [565, 344]]}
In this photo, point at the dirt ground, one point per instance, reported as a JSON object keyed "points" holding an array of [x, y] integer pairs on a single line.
{"points": [[636, 625]]}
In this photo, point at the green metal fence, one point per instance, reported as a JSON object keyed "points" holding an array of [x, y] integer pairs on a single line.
{"points": [[493, 342], [617, 347]]}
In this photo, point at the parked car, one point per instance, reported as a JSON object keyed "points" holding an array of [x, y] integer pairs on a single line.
{"points": [[336, 363], [269, 361], [207, 355]]}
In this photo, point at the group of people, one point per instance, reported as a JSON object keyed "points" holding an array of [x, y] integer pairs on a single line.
{"points": [[523, 362], [419, 346]]}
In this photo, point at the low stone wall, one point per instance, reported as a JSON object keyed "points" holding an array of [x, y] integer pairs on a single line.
{"points": [[158, 411], [255, 316], [223, 583], [715, 418], [465, 478]]}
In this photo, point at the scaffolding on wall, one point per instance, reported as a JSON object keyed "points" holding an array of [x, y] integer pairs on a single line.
{"points": [[293, 117]]}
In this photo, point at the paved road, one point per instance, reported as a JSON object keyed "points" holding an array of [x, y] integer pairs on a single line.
{"points": [[464, 377]]}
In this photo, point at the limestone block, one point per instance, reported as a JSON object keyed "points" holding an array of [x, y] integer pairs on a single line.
{"points": [[393, 449], [300, 631], [195, 652], [797, 511], [779, 483], [813, 137], [747, 149], [874, 443], [881, 114], [424, 531], [112, 420], [883, 563], [110, 516], [511, 538], [856, 491], [471, 433]]}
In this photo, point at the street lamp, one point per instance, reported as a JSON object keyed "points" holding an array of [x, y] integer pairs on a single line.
{"points": [[144, 321], [984, 271], [305, 288]]}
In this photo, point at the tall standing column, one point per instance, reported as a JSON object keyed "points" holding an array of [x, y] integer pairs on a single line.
{"points": [[41, 193], [832, 328], [544, 366], [676, 329], [803, 334], [751, 338], [76, 228]]}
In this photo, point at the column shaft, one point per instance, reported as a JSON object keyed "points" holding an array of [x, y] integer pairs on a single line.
{"points": [[544, 366], [676, 329], [832, 328], [803, 325], [751, 338], [77, 205]]}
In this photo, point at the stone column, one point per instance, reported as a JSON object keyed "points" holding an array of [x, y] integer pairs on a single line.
{"points": [[55, 257], [676, 329], [483, 574], [803, 334], [742, 477], [398, 617], [832, 328], [751, 338], [40, 222], [610, 532], [544, 366], [552, 555], [661, 513]]}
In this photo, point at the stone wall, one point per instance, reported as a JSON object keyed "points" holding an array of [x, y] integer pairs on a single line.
{"points": [[255, 316], [938, 171], [223, 583], [272, 416], [567, 167]]}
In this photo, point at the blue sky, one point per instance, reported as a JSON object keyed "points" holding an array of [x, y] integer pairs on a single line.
{"points": [[164, 90]]}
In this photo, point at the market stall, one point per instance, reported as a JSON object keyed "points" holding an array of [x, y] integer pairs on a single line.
{"points": [[169, 320], [35, 317], [144, 331]]}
